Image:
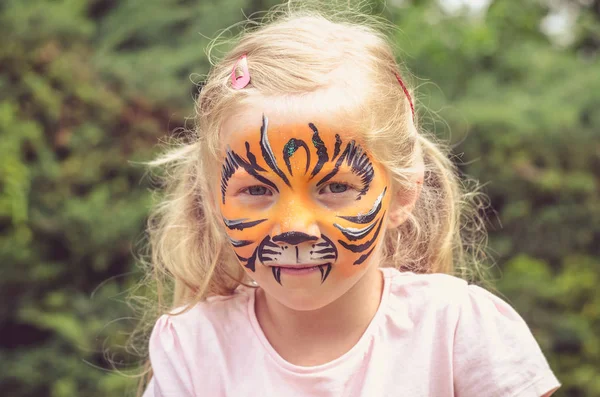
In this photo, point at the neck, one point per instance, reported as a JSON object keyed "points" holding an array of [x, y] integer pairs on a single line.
{"points": [[344, 320]]}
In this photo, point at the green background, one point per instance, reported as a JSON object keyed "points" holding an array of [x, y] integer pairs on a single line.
{"points": [[89, 88]]}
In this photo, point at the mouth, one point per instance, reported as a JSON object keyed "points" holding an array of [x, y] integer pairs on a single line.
{"points": [[292, 267], [300, 270]]}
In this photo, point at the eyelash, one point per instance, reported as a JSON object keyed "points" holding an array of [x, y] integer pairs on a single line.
{"points": [[247, 191], [348, 186]]}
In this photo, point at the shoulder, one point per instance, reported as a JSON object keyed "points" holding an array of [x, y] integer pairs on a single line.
{"points": [[443, 292], [419, 283], [495, 350], [190, 342], [202, 327], [492, 348], [423, 295], [216, 311]]}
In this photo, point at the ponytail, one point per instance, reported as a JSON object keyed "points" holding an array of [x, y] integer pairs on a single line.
{"points": [[444, 232]]}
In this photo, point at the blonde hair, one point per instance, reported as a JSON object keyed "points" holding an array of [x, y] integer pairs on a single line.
{"points": [[299, 52]]}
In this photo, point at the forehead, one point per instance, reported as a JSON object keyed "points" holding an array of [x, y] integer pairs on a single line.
{"points": [[285, 122]]}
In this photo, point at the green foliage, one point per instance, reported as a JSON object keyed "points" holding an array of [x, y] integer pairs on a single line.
{"points": [[88, 87], [563, 310], [521, 110]]}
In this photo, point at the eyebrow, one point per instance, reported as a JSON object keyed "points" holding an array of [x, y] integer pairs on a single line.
{"points": [[356, 158], [353, 156], [233, 162]]}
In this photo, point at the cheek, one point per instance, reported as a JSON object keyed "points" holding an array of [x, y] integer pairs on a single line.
{"points": [[246, 228], [345, 268], [355, 252], [358, 231]]}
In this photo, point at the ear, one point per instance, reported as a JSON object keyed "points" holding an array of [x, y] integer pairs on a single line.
{"points": [[404, 199]]}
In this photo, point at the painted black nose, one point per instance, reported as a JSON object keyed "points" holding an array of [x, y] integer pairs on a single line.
{"points": [[293, 238]]}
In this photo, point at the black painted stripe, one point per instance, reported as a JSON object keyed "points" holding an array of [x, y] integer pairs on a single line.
{"points": [[233, 161], [328, 243], [239, 224], [324, 272], [252, 169], [265, 259], [322, 155], [267, 152], [353, 234], [276, 273], [366, 245], [369, 216], [270, 252], [363, 257], [251, 261], [239, 243], [294, 238], [290, 148], [252, 158], [336, 168], [228, 169], [338, 143], [324, 251], [262, 251]]}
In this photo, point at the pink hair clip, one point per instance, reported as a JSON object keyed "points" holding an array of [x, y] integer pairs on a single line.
{"points": [[240, 76], [412, 108]]}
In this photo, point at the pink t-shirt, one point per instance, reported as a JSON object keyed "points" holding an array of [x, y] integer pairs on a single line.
{"points": [[433, 335]]}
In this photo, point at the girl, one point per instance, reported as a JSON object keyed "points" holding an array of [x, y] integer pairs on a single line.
{"points": [[314, 235]]}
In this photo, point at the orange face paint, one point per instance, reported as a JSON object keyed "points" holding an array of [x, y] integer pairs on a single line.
{"points": [[302, 198]]}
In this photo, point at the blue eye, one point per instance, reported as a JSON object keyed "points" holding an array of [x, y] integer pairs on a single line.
{"points": [[338, 188], [258, 191], [335, 188]]}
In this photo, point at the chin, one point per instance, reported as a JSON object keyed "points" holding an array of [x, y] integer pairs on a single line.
{"points": [[304, 305], [304, 300]]}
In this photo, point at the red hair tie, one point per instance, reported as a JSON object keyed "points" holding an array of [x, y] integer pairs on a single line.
{"points": [[412, 108], [240, 77]]}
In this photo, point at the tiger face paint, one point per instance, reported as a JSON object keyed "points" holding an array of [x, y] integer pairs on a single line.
{"points": [[304, 203]]}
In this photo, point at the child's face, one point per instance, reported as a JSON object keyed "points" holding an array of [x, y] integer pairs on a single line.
{"points": [[304, 206]]}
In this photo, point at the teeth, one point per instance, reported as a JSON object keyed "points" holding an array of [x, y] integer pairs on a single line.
{"points": [[325, 269], [277, 273]]}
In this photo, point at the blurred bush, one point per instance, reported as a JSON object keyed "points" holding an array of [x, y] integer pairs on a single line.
{"points": [[87, 88]]}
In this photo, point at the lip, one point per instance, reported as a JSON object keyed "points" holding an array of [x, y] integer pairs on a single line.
{"points": [[301, 270], [295, 267], [298, 270]]}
